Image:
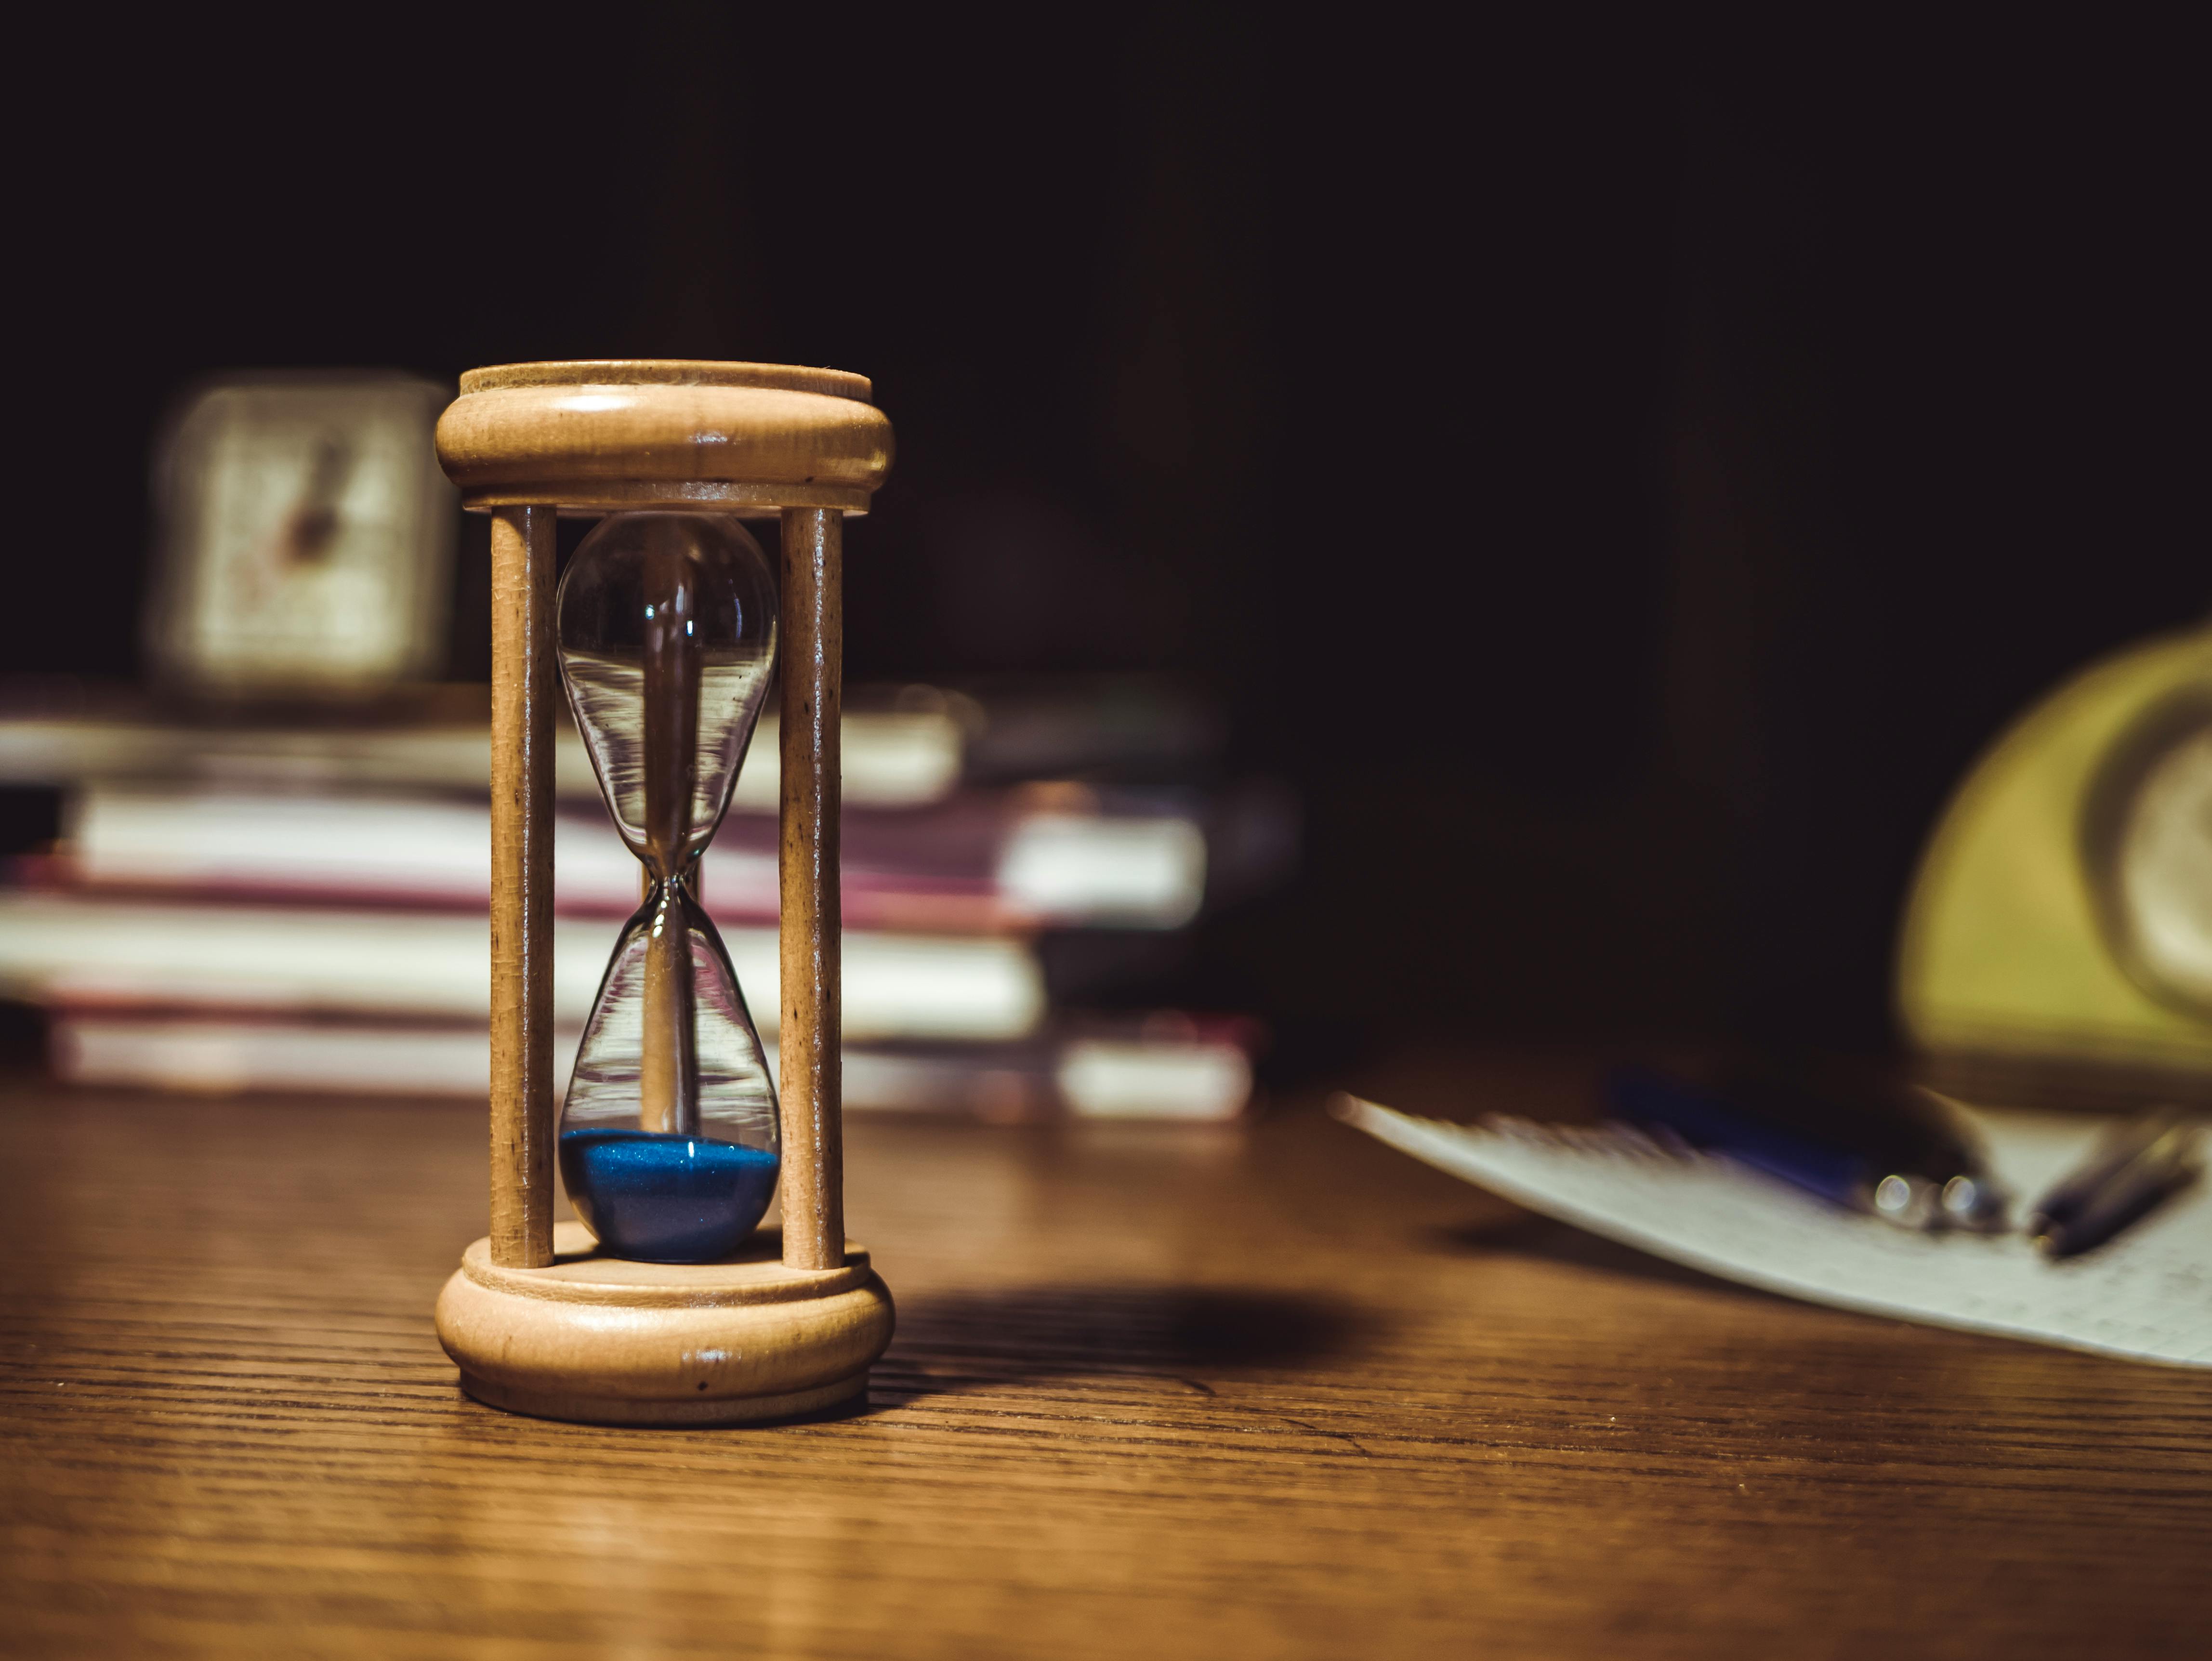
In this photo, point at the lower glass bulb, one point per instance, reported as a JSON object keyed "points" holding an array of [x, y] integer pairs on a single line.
{"points": [[669, 1136]]}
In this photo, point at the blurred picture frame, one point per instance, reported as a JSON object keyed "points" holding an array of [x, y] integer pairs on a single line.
{"points": [[305, 538]]}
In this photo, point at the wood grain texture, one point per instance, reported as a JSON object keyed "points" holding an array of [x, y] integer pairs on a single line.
{"points": [[809, 1037], [588, 443], [525, 683], [596, 1340], [668, 372], [589, 498], [1158, 1392]]}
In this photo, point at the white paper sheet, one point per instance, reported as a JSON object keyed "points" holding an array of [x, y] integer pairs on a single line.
{"points": [[2147, 1293]]}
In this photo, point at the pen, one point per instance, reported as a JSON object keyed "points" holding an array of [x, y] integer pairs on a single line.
{"points": [[1888, 1152], [2124, 1178]]}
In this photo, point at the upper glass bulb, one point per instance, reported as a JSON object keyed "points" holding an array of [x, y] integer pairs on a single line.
{"points": [[674, 612]]}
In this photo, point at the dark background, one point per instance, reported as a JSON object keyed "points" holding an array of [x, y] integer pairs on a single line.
{"points": [[1620, 475]]}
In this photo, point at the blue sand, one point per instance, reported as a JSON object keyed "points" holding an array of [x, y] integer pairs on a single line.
{"points": [[665, 1199]]}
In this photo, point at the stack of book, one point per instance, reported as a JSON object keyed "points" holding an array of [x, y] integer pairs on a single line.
{"points": [[303, 908]]}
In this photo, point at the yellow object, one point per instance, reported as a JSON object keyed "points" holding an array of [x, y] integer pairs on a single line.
{"points": [[2002, 954]]}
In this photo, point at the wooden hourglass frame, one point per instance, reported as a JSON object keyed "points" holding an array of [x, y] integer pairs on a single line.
{"points": [[540, 1319]]}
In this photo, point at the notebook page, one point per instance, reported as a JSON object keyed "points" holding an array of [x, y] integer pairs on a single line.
{"points": [[2147, 1293]]}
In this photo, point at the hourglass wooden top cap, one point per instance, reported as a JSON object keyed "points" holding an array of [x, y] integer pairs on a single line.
{"points": [[599, 435]]}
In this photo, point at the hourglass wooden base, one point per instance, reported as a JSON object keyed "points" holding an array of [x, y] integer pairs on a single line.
{"points": [[606, 1341]]}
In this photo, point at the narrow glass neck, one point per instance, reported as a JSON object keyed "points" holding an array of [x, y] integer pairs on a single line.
{"points": [[668, 1056]]}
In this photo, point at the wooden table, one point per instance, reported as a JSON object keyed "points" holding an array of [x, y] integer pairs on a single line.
{"points": [[1155, 1392]]}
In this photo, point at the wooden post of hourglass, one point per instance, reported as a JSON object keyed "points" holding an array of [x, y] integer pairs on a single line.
{"points": [[524, 685], [538, 1318], [811, 1029]]}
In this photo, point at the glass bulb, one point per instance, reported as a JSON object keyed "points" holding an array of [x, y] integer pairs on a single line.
{"points": [[676, 613], [668, 1140]]}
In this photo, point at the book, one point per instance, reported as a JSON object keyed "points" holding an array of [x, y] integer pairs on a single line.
{"points": [[75, 951], [1162, 1066], [902, 746], [980, 863], [891, 758]]}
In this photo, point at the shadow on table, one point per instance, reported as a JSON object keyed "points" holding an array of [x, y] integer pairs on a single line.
{"points": [[1522, 1235], [948, 1341]]}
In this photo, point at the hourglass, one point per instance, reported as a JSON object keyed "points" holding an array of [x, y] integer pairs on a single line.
{"points": [[666, 1304]]}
